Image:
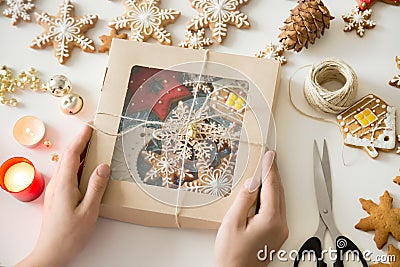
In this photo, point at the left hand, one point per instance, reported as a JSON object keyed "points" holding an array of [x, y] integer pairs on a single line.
{"points": [[69, 218]]}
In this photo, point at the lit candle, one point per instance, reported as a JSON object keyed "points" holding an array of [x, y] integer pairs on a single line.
{"points": [[19, 177], [29, 131]]}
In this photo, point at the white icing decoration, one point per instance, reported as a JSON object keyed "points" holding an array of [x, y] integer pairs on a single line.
{"points": [[342, 123], [339, 117], [18, 9], [195, 40], [346, 130]]}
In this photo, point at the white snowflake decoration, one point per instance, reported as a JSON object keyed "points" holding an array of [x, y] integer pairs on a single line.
{"points": [[210, 136], [358, 20], [273, 51], [213, 181], [198, 86], [65, 31], [18, 10], [195, 40], [217, 14], [145, 19]]}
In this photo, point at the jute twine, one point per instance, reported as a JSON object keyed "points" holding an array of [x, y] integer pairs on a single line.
{"points": [[326, 100]]}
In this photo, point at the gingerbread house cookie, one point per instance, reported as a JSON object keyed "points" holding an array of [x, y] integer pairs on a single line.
{"points": [[229, 98], [369, 124]]}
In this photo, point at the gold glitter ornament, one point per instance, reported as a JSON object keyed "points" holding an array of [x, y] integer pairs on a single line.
{"points": [[47, 143], [13, 102], [55, 157]]}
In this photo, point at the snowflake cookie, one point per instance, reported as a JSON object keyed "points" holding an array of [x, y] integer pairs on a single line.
{"points": [[358, 20], [65, 31], [273, 51], [195, 40], [369, 124], [145, 19], [217, 14], [18, 10]]}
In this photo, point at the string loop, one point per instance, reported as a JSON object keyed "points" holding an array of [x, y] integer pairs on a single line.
{"points": [[325, 100]]}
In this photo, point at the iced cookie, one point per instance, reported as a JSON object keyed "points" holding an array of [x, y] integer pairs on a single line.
{"points": [[65, 31], [145, 19], [217, 15], [369, 124]]}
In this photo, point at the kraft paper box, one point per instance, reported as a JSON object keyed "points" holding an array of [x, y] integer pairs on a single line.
{"points": [[182, 130]]}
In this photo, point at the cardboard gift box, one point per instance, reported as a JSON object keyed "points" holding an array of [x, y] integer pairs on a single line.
{"points": [[182, 129]]}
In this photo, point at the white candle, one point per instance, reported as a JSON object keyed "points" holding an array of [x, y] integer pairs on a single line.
{"points": [[19, 176], [29, 131]]}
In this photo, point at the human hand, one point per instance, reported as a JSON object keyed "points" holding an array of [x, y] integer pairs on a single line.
{"points": [[240, 238], [69, 218]]}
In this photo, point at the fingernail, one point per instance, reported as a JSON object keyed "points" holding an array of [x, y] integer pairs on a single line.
{"points": [[103, 171], [267, 162], [247, 184]]}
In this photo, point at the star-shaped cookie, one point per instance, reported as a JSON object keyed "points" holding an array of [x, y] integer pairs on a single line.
{"points": [[146, 19], [195, 40], [393, 258], [65, 31], [383, 219], [107, 40], [18, 10], [216, 15], [358, 20]]}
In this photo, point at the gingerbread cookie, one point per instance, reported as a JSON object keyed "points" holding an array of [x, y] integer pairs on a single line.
{"points": [[18, 10], [383, 219], [395, 81], [145, 19], [397, 180], [369, 124], [273, 51], [229, 98], [65, 31], [393, 258], [107, 39], [358, 20], [166, 166], [217, 16], [216, 181], [195, 40]]}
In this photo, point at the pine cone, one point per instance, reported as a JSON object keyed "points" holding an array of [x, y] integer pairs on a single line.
{"points": [[307, 21]]}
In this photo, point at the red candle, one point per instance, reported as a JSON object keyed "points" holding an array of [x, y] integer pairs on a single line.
{"points": [[19, 177]]}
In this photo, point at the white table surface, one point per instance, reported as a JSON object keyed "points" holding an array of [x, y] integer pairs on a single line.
{"points": [[121, 244]]}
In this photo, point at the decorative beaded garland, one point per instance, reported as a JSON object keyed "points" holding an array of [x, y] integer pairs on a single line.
{"points": [[326, 100]]}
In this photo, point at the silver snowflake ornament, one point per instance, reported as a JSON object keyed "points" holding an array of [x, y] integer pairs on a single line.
{"points": [[217, 15], [195, 40], [145, 19], [273, 51], [65, 31], [18, 10], [358, 20]]}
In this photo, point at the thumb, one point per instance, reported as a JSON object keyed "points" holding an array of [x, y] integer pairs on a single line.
{"points": [[238, 212], [96, 187]]}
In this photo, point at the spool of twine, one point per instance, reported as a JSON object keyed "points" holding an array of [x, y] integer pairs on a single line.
{"points": [[331, 101]]}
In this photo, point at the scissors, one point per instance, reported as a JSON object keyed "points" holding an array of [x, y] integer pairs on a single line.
{"points": [[323, 191]]}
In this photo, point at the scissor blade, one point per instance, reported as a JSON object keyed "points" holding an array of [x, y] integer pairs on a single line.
{"points": [[326, 167], [323, 201]]}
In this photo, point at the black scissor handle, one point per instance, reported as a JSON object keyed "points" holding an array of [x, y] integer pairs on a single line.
{"points": [[313, 244], [344, 245]]}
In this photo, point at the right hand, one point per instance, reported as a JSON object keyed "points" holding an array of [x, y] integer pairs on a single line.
{"points": [[240, 238]]}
